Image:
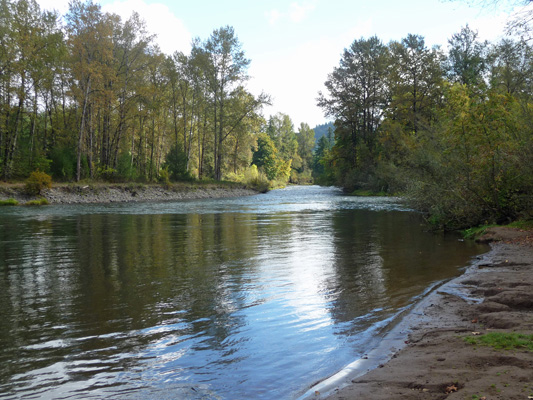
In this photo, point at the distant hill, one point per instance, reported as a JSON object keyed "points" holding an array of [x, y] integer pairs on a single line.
{"points": [[322, 130]]}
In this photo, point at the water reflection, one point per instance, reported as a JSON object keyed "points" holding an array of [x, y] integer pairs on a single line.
{"points": [[136, 301]]}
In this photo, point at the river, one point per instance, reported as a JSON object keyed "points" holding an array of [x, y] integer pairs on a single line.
{"points": [[246, 298]]}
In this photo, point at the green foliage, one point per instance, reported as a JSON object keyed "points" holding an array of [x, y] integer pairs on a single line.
{"points": [[125, 168], [466, 59], [367, 193], [284, 170], [458, 145], [39, 202], [292, 149], [475, 175], [92, 92], [234, 177], [265, 157], [451, 131], [176, 164], [63, 166], [302, 178], [164, 177], [306, 142], [107, 174], [526, 225], [256, 180], [503, 341], [357, 92], [9, 202], [251, 177], [322, 172], [37, 182], [475, 232], [323, 130]]}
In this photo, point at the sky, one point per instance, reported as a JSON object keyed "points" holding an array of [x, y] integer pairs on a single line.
{"points": [[294, 45]]}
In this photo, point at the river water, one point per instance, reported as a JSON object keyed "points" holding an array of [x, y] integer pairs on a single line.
{"points": [[247, 298]]}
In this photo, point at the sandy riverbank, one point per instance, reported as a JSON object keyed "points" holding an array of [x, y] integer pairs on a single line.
{"points": [[494, 295], [124, 193]]}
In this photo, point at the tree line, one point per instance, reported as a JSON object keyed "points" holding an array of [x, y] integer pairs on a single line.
{"points": [[87, 95], [450, 130]]}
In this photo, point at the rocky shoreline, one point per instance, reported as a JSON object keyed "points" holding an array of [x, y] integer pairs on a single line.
{"points": [[435, 360], [124, 193]]}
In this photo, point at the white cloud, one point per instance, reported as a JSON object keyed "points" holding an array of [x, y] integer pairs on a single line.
{"points": [[172, 35], [298, 12], [171, 32], [273, 16], [294, 78], [490, 28]]}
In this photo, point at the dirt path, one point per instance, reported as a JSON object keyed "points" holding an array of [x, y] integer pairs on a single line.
{"points": [[437, 362]]}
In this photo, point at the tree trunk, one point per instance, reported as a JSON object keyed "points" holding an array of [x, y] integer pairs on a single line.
{"points": [[82, 128], [218, 158]]}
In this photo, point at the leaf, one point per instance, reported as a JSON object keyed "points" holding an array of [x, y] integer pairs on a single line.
{"points": [[450, 389]]}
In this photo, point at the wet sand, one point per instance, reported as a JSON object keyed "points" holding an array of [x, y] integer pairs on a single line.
{"points": [[435, 362]]}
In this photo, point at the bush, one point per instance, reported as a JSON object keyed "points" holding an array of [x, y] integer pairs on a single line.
{"points": [[39, 202], [63, 165], [9, 202], [176, 164], [125, 169], [107, 174], [301, 178], [164, 177], [233, 177], [256, 180], [37, 182]]}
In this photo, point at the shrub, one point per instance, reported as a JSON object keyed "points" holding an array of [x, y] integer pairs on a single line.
{"points": [[164, 177], [63, 165], [39, 202], [250, 174], [107, 174], [37, 182], [233, 177], [176, 164], [9, 202], [125, 168], [301, 178], [256, 180]]}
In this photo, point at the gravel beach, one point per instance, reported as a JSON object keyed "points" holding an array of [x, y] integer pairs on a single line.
{"points": [[124, 193]]}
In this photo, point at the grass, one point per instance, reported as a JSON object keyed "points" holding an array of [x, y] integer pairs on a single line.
{"points": [[477, 231], [526, 225], [9, 202], [39, 202], [503, 341]]}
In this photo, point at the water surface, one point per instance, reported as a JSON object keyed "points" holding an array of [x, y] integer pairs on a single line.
{"points": [[246, 298]]}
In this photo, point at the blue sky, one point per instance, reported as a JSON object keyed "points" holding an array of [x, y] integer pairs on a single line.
{"points": [[293, 45]]}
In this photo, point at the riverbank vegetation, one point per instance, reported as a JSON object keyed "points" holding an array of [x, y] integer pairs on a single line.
{"points": [[451, 130], [87, 95], [9, 202]]}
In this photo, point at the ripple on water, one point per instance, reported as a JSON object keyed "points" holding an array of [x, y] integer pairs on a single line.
{"points": [[255, 297]]}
